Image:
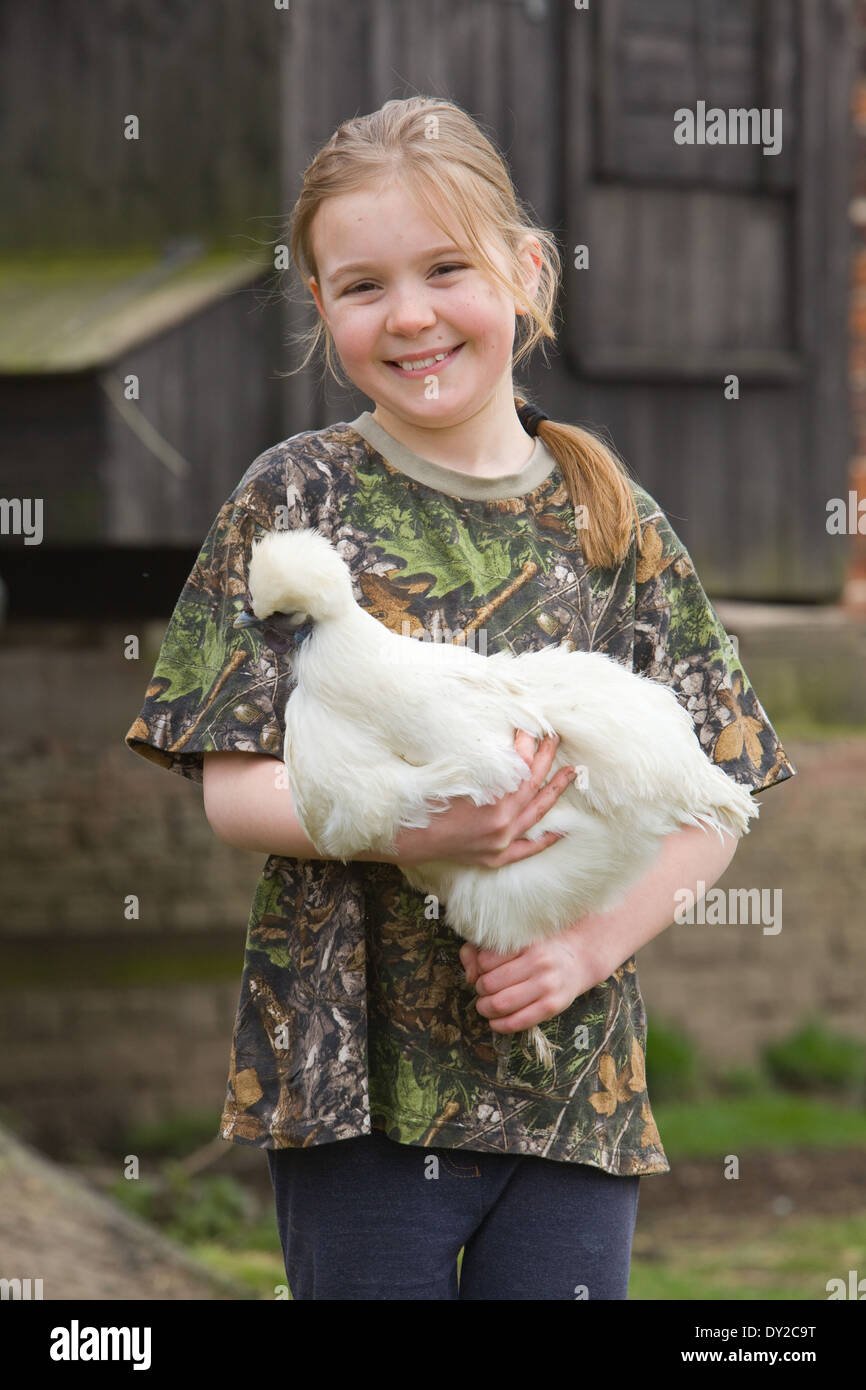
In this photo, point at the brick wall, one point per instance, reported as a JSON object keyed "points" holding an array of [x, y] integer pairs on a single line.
{"points": [[106, 1021]]}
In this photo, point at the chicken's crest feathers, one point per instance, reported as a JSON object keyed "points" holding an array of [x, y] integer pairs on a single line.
{"points": [[298, 571]]}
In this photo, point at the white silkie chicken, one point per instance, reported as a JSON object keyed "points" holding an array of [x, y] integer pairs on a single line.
{"points": [[380, 728]]}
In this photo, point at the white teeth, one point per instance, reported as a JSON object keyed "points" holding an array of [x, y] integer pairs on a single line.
{"points": [[426, 362]]}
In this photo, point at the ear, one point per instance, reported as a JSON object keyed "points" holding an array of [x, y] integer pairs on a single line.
{"points": [[316, 293], [531, 260]]}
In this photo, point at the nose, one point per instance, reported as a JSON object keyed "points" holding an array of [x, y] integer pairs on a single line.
{"points": [[409, 310]]}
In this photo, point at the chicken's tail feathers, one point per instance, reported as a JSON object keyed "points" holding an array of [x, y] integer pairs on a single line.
{"points": [[542, 1046], [732, 814]]}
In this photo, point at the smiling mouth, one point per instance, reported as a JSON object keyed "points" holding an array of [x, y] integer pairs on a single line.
{"points": [[431, 363]]}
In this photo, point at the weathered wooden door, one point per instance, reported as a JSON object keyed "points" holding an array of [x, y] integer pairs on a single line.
{"points": [[715, 260]]}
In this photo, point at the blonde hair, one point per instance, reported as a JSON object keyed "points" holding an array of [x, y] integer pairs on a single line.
{"points": [[444, 159]]}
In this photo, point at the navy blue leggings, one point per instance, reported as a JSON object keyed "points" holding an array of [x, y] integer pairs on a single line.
{"points": [[369, 1218]]}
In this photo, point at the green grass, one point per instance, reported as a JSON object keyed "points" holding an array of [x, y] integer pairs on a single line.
{"points": [[766, 1120], [811, 1061], [793, 1261], [261, 1271], [173, 1137], [815, 1057]]}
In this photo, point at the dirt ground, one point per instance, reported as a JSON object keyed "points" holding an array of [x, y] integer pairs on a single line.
{"points": [[56, 1227], [808, 1182]]}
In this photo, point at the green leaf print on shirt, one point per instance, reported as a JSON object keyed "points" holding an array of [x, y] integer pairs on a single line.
{"points": [[483, 554], [693, 627], [197, 645]]}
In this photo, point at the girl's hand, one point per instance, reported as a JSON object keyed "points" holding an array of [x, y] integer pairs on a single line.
{"points": [[535, 984], [491, 836]]}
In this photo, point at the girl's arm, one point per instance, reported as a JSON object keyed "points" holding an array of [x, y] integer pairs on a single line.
{"points": [[249, 805], [248, 809], [539, 982]]}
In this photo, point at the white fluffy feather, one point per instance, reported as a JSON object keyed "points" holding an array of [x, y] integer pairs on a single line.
{"points": [[380, 728]]}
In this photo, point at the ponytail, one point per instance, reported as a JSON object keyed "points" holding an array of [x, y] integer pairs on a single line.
{"points": [[598, 484]]}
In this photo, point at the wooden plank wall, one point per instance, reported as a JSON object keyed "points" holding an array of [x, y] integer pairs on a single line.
{"points": [[708, 260], [209, 388], [712, 260], [202, 78], [704, 260], [496, 58]]}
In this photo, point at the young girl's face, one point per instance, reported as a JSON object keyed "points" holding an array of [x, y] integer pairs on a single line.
{"points": [[396, 291]]}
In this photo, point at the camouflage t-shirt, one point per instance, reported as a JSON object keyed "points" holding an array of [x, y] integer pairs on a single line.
{"points": [[354, 1010]]}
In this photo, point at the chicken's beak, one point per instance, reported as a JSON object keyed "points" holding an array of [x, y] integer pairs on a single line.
{"points": [[246, 619]]}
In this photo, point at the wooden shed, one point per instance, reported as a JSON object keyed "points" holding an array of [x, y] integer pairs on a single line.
{"points": [[135, 390]]}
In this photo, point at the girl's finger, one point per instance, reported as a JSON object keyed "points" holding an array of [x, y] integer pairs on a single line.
{"points": [[545, 754], [540, 764], [469, 960], [509, 1001], [500, 977], [488, 960], [541, 803], [524, 849], [525, 745], [525, 1018]]}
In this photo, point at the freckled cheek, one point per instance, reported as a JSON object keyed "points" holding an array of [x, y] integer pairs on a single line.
{"points": [[486, 334], [488, 323], [354, 343], [499, 343]]}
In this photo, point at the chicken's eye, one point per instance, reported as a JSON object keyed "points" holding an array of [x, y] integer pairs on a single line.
{"points": [[275, 639]]}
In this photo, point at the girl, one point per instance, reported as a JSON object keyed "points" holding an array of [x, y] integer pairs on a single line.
{"points": [[362, 1059]]}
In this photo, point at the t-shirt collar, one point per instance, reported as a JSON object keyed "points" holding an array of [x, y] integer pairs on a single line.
{"points": [[435, 475]]}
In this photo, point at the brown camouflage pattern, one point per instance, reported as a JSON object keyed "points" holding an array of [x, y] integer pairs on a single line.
{"points": [[354, 1009]]}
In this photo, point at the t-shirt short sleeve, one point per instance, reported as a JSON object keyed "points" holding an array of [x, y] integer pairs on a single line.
{"points": [[680, 640], [215, 687]]}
